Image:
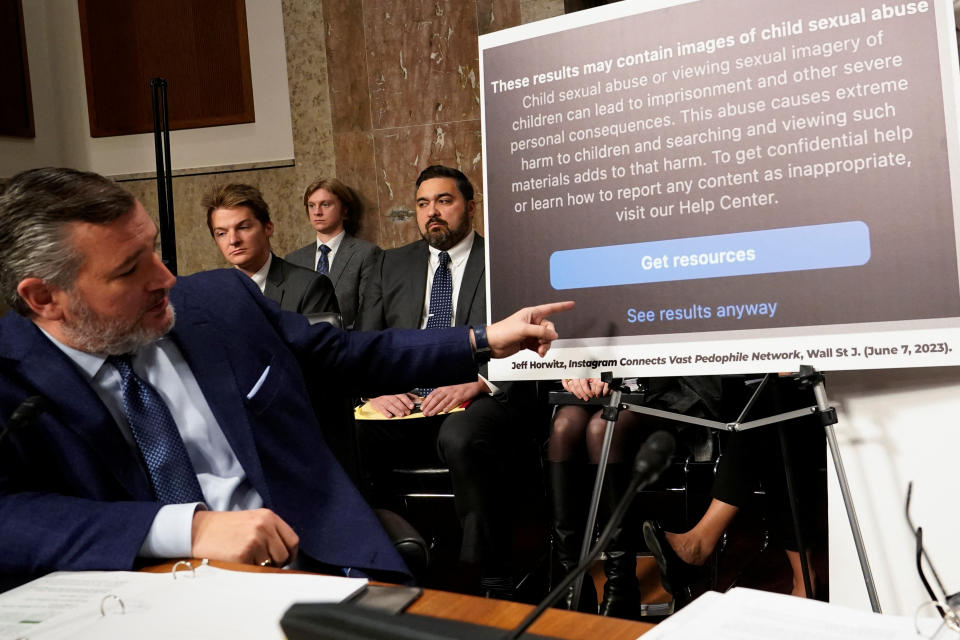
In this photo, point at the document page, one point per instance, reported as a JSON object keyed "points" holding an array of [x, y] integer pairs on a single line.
{"points": [[746, 614], [205, 603]]}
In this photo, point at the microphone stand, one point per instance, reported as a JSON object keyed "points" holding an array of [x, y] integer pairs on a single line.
{"points": [[637, 482], [347, 621], [161, 142]]}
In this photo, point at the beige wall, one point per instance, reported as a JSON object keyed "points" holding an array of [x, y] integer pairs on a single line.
{"points": [[378, 90]]}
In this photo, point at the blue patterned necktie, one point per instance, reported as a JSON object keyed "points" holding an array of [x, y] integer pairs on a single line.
{"points": [[323, 262], [441, 302], [171, 473]]}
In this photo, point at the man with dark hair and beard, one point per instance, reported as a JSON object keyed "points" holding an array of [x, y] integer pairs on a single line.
{"points": [[440, 281], [190, 437]]}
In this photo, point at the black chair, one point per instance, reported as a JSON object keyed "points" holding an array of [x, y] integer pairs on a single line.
{"points": [[339, 430]]}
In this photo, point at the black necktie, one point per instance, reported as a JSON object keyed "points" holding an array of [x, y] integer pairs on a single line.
{"points": [[174, 480]]}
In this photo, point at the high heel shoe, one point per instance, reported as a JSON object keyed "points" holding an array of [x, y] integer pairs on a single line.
{"points": [[675, 574]]}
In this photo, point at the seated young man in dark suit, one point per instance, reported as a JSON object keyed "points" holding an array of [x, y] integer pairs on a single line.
{"points": [[334, 211], [239, 221]]}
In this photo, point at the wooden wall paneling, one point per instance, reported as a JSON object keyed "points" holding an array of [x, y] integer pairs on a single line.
{"points": [[16, 107], [200, 48]]}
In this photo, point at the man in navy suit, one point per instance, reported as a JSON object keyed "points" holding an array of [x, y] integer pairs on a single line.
{"points": [[334, 211], [239, 221], [95, 337]]}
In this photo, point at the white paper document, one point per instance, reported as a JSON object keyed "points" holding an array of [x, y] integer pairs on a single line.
{"points": [[205, 603], [747, 614]]}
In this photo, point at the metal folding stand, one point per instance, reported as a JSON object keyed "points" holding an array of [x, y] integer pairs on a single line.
{"points": [[828, 418], [161, 142]]}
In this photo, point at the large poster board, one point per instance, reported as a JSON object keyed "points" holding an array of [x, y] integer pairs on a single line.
{"points": [[726, 186]]}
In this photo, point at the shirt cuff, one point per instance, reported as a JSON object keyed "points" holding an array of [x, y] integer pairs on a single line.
{"points": [[171, 534], [493, 388]]}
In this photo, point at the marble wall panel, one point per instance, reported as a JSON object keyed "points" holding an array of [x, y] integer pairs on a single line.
{"points": [[356, 166], [309, 102], [301, 15], [493, 15], [347, 65], [533, 10], [403, 152], [422, 61]]}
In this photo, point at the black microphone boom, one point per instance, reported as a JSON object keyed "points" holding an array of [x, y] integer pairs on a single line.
{"points": [[651, 460]]}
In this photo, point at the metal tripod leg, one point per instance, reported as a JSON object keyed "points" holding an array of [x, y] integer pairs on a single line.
{"points": [[820, 394], [612, 403]]}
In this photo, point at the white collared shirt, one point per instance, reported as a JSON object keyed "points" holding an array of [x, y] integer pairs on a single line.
{"points": [[222, 480], [260, 277], [334, 244], [459, 253]]}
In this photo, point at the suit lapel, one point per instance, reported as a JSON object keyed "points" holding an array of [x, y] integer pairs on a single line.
{"points": [[344, 254], [77, 407], [209, 357], [471, 283], [273, 288], [413, 304]]}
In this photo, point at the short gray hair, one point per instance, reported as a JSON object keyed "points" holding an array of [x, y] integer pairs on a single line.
{"points": [[36, 208]]}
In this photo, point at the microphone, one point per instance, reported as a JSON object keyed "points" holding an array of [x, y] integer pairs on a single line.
{"points": [[347, 621], [25, 415], [651, 460]]}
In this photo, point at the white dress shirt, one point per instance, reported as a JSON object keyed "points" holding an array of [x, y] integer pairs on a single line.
{"points": [[222, 479], [458, 264], [459, 253], [260, 277]]}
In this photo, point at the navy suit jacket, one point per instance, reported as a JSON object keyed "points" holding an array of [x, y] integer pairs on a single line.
{"points": [[351, 272], [74, 497]]}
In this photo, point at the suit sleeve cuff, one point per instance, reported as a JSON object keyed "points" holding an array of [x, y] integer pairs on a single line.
{"points": [[171, 534]]}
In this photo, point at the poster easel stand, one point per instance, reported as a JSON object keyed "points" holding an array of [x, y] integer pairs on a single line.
{"points": [[807, 376]]}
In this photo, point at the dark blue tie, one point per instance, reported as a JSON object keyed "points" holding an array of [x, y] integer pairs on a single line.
{"points": [[323, 262], [171, 473], [441, 302]]}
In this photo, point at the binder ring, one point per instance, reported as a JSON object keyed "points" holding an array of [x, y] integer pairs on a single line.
{"points": [[185, 563], [103, 602]]}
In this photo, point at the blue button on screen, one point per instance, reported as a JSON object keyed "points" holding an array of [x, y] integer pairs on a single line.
{"points": [[821, 246]]}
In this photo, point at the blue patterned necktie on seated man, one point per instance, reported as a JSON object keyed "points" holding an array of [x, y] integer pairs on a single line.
{"points": [[441, 303], [323, 262], [171, 472]]}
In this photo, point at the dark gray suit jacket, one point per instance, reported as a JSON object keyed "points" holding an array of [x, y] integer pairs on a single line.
{"points": [[398, 290], [395, 299], [351, 272], [297, 289]]}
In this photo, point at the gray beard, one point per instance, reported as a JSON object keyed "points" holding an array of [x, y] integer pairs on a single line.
{"points": [[92, 333]]}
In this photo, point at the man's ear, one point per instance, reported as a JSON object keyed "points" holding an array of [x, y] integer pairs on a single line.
{"points": [[42, 298], [471, 209]]}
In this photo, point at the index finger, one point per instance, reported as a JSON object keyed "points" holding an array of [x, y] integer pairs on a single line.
{"points": [[544, 310]]}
